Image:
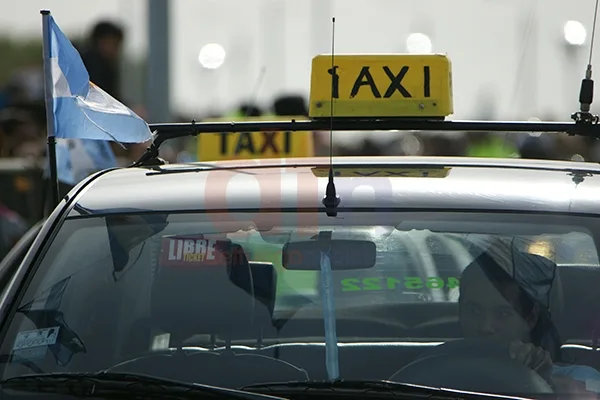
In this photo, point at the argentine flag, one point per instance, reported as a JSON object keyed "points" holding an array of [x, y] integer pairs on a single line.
{"points": [[84, 117], [81, 109]]}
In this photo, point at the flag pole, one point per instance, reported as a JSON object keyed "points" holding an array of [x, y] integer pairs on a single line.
{"points": [[48, 88]]}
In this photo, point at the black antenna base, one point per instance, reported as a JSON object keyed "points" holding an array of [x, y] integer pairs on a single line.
{"points": [[149, 158], [586, 98], [331, 200], [584, 117]]}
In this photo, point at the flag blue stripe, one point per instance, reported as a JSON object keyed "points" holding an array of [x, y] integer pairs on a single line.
{"points": [[99, 152], [71, 122], [88, 132], [64, 167], [69, 60]]}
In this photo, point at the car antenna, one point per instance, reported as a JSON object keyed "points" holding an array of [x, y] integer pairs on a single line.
{"points": [[586, 93], [331, 199]]}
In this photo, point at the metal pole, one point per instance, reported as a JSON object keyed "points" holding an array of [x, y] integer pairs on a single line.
{"points": [[157, 86], [48, 87]]}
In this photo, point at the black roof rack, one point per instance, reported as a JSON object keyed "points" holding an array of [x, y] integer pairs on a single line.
{"points": [[164, 132]]}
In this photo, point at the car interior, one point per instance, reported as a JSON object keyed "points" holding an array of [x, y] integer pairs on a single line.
{"points": [[252, 342]]}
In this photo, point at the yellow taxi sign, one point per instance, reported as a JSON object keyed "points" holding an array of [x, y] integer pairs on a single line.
{"points": [[382, 172], [254, 145], [396, 85]]}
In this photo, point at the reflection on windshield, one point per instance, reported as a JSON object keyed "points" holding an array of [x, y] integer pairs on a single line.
{"points": [[219, 292]]}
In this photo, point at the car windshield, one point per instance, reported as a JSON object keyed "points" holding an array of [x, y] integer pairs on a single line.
{"points": [[153, 294]]}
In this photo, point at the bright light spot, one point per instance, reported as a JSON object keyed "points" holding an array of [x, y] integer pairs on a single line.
{"points": [[418, 43], [211, 56], [535, 134], [380, 230], [578, 158], [411, 145], [574, 33], [364, 193]]}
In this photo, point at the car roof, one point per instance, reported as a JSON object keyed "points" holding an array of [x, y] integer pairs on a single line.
{"points": [[472, 183]]}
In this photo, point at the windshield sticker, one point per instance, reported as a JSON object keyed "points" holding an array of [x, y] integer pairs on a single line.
{"points": [[411, 283], [186, 251], [34, 344]]}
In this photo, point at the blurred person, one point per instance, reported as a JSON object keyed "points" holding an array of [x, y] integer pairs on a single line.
{"points": [[26, 85], [20, 135], [290, 105], [370, 148], [367, 147], [490, 144], [536, 148], [245, 110], [294, 106], [102, 56], [250, 110], [444, 145]]}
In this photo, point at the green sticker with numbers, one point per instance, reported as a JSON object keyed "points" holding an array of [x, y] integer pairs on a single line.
{"points": [[408, 283]]}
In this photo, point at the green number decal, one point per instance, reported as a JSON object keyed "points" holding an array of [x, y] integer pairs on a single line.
{"points": [[413, 283], [433, 282], [350, 285], [371, 284], [453, 283], [392, 282]]}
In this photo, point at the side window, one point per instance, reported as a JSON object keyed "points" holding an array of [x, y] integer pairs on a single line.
{"points": [[574, 248]]}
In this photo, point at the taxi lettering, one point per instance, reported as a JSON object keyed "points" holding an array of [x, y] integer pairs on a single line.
{"points": [[384, 173], [189, 250], [256, 142], [255, 145], [379, 85], [365, 78]]}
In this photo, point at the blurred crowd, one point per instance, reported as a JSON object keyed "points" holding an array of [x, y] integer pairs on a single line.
{"points": [[23, 126]]}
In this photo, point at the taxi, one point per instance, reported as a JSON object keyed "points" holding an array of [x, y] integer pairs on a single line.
{"points": [[260, 272]]}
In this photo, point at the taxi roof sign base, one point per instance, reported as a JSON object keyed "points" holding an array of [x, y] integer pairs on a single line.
{"points": [[167, 131]]}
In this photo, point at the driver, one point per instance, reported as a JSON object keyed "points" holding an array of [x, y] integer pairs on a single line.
{"points": [[506, 293]]}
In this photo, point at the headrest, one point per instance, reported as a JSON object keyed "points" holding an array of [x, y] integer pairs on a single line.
{"points": [[208, 286]]}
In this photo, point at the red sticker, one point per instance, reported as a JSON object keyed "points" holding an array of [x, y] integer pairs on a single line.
{"points": [[193, 251]]}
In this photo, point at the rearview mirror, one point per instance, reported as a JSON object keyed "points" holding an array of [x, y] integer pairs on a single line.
{"points": [[343, 254]]}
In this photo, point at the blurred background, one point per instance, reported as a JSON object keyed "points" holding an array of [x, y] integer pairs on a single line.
{"points": [[178, 60]]}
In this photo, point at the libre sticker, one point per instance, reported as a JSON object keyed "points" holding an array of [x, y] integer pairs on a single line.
{"points": [[184, 251]]}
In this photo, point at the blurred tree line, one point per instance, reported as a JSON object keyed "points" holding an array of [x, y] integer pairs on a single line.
{"points": [[18, 54]]}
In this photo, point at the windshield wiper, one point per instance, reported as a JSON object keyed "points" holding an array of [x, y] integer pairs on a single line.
{"points": [[406, 390], [116, 385]]}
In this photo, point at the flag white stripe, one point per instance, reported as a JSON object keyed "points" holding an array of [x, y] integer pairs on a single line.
{"points": [[98, 100], [60, 85]]}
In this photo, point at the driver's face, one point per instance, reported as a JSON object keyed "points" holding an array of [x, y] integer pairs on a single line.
{"points": [[484, 311]]}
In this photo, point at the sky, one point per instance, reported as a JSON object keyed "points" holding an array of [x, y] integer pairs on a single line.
{"points": [[510, 53]]}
